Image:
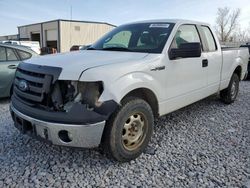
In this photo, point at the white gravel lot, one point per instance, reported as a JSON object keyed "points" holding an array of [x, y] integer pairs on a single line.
{"points": [[206, 144]]}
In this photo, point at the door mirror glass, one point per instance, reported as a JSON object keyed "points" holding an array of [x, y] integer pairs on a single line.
{"points": [[186, 50]]}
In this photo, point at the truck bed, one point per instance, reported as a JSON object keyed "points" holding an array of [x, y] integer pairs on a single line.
{"points": [[231, 56], [229, 48]]}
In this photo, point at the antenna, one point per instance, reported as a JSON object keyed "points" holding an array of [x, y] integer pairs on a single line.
{"points": [[70, 12]]}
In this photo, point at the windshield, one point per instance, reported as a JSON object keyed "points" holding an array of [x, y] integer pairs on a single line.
{"points": [[140, 37]]}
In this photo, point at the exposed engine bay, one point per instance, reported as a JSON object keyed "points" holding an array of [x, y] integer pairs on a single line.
{"points": [[67, 93]]}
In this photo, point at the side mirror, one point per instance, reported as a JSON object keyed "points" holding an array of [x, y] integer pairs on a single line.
{"points": [[186, 50]]}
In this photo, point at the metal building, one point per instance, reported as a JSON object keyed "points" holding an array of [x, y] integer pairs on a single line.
{"points": [[9, 37], [62, 34]]}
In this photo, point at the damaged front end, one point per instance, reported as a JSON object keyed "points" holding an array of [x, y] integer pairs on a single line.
{"points": [[47, 98], [66, 113], [81, 98]]}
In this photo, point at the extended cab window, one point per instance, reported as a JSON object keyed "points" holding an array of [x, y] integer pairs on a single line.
{"points": [[185, 34], [11, 56], [24, 55], [2, 54], [210, 39]]}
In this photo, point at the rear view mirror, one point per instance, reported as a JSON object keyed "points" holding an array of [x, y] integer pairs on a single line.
{"points": [[186, 50]]}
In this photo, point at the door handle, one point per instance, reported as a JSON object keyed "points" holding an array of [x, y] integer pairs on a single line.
{"points": [[12, 66], [204, 63]]}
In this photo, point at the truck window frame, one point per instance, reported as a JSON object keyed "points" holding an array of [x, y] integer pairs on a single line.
{"points": [[200, 37], [204, 38]]}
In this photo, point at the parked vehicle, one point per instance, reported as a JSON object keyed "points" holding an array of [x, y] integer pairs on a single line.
{"points": [[75, 48], [84, 47], [110, 94], [247, 46], [48, 50], [33, 45], [10, 57], [79, 47]]}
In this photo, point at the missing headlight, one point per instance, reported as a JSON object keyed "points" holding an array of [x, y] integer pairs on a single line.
{"points": [[89, 93], [63, 92], [66, 93]]}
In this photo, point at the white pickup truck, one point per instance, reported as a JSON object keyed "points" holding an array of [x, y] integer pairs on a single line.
{"points": [[110, 94]]}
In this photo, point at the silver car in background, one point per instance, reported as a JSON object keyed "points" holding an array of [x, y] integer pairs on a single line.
{"points": [[10, 57]]}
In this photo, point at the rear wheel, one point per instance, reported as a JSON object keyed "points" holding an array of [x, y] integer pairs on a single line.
{"points": [[129, 130], [229, 94]]}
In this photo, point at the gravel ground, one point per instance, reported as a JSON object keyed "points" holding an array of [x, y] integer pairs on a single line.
{"points": [[206, 144]]}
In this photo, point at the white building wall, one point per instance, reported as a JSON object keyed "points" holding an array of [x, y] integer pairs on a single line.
{"points": [[66, 33], [47, 29], [42, 28], [79, 33], [25, 31], [9, 37]]}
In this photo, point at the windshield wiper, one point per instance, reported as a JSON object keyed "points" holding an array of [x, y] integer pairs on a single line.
{"points": [[118, 49]]}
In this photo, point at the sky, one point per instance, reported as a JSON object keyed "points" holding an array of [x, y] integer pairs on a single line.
{"points": [[15, 13]]}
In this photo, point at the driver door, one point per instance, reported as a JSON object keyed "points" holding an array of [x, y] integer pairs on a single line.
{"points": [[185, 77]]}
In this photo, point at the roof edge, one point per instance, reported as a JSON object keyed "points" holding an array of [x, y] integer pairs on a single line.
{"points": [[65, 20]]}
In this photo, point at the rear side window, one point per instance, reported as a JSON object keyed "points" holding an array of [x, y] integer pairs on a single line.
{"points": [[2, 54], [210, 39], [24, 55], [11, 56], [185, 34]]}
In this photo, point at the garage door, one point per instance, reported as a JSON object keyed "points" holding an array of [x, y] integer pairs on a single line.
{"points": [[51, 35]]}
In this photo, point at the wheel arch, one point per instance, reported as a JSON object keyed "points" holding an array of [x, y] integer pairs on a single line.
{"points": [[238, 71], [147, 95]]}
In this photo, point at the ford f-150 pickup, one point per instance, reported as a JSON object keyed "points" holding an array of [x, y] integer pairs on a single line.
{"points": [[110, 94]]}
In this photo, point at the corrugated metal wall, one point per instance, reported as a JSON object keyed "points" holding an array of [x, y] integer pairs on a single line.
{"points": [[25, 31], [47, 27], [41, 28], [78, 33], [70, 33], [9, 37]]}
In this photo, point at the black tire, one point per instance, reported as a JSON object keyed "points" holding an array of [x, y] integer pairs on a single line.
{"points": [[229, 94], [115, 133]]}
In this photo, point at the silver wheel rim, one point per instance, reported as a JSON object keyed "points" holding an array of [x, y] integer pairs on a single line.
{"points": [[133, 133], [233, 89]]}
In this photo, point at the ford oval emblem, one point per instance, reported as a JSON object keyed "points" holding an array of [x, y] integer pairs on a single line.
{"points": [[23, 85]]}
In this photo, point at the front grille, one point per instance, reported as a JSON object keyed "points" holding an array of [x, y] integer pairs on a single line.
{"points": [[38, 84], [38, 81]]}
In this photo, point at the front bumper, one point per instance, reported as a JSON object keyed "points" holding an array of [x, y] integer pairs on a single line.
{"points": [[74, 135]]}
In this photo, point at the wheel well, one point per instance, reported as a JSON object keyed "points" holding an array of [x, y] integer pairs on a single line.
{"points": [[238, 71], [148, 96]]}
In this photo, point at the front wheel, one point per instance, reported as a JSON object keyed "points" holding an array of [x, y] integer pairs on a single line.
{"points": [[129, 130], [229, 94]]}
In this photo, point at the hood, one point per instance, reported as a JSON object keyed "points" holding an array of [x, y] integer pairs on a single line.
{"points": [[74, 63]]}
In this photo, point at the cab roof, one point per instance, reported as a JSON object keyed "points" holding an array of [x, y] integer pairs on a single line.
{"points": [[175, 21]]}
